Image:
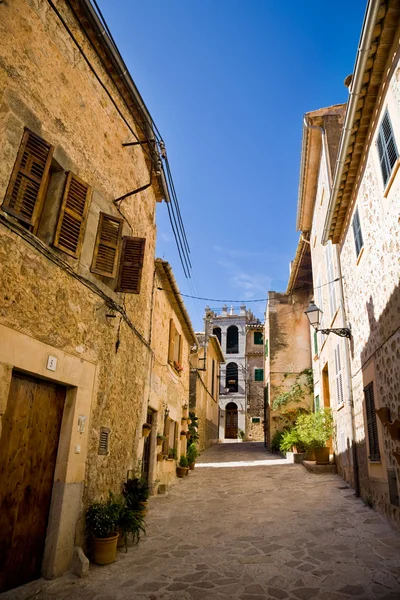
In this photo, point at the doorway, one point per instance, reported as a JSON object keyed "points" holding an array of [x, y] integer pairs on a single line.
{"points": [[147, 448], [231, 425], [28, 451]]}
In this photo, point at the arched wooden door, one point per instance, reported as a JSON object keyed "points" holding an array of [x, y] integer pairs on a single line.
{"points": [[231, 423]]}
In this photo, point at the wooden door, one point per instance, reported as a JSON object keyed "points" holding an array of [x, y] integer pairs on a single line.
{"points": [[28, 450], [231, 426]]}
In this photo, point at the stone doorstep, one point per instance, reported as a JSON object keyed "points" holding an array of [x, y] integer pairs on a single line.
{"points": [[312, 467]]}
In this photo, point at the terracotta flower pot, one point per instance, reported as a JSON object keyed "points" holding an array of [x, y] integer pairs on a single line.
{"points": [[322, 456], [104, 549], [187, 471], [191, 466], [160, 457], [143, 508], [181, 471], [146, 430]]}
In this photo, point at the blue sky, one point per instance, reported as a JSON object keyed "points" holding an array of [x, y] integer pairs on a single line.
{"points": [[227, 83]]}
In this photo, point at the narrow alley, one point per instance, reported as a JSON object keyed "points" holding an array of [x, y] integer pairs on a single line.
{"points": [[246, 524]]}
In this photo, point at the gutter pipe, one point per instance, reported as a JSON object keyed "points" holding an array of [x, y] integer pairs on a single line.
{"points": [[355, 89]]}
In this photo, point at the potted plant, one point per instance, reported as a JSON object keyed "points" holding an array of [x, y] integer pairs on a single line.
{"points": [[136, 492], [101, 525], [182, 468], [160, 439], [183, 435], [160, 457], [183, 420], [146, 429], [172, 454], [193, 428], [129, 522], [314, 430], [191, 456], [291, 442]]}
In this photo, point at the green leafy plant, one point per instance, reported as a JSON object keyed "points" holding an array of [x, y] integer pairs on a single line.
{"points": [[315, 429], [183, 461], [128, 520], [289, 439], [161, 437], [191, 453], [193, 427], [302, 385], [101, 519], [135, 491], [172, 453], [276, 441], [241, 434]]}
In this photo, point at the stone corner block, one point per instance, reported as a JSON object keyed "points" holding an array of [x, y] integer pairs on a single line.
{"points": [[80, 563]]}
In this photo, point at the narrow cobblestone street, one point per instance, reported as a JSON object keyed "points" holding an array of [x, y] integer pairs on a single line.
{"points": [[247, 525]]}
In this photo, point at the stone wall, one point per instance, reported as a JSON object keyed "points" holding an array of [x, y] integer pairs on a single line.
{"points": [[46, 85]]}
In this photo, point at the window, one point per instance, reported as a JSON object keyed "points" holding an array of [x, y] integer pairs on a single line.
{"points": [[338, 378], [232, 377], [315, 341], [358, 239], [258, 337], [26, 190], [131, 265], [72, 218], [331, 276], [171, 435], [372, 428], [256, 419], [107, 246], [217, 332], [387, 149], [258, 374], [232, 340], [175, 345]]}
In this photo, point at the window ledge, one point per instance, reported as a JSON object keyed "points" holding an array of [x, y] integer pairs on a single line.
{"points": [[360, 256], [391, 178]]}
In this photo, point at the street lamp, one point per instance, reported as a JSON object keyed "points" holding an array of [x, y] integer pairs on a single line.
{"points": [[314, 316]]}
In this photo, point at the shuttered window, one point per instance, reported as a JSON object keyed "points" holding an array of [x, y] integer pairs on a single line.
{"points": [[372, 427], [339, 379], [72, 219], [315, 342], [358, 238], [258, 337], [259, 375], [28, 183], [316, 403], [387, 149], [107, 246], [131, 265], [175, 344]]}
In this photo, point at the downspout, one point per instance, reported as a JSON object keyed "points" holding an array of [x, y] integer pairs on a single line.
{"points": [[355, 89]]}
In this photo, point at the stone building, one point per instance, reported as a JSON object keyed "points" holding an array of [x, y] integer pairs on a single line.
{"points": [[353, 222], [172, 339], [204, 387], [255, 402], [287, 347], [235, 410], [77, 238]]}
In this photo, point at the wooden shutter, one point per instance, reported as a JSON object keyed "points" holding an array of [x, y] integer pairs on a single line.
{"points": [[131, 265], [358, 239], [107, 246], [171, 347], [387, 148], [372, 427], [72, 218], [28, 183]]}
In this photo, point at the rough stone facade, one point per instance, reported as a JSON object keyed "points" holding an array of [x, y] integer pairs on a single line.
{"points": [[287, 353], [204, 388], [169, 388], [52, 304], [255, 413], [372, 294]]}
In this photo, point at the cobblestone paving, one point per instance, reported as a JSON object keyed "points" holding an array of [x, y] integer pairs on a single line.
{"points": [[270, 531]]}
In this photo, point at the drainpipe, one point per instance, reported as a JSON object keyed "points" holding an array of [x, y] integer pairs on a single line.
{"points": [[355, 89]]}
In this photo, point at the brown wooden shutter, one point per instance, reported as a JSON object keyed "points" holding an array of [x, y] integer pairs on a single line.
{"points": [[107, 246], [27, 187], [171, 349], [131, 265], [72, 219]]}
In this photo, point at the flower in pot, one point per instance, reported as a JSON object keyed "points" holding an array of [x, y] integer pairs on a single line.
{"points": [[101, 525], [160, 439], [136, 492], [314, 430], [172, 454], [182, 468], [146, 429], [183, 434], [129, 522], [191, 456]]}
